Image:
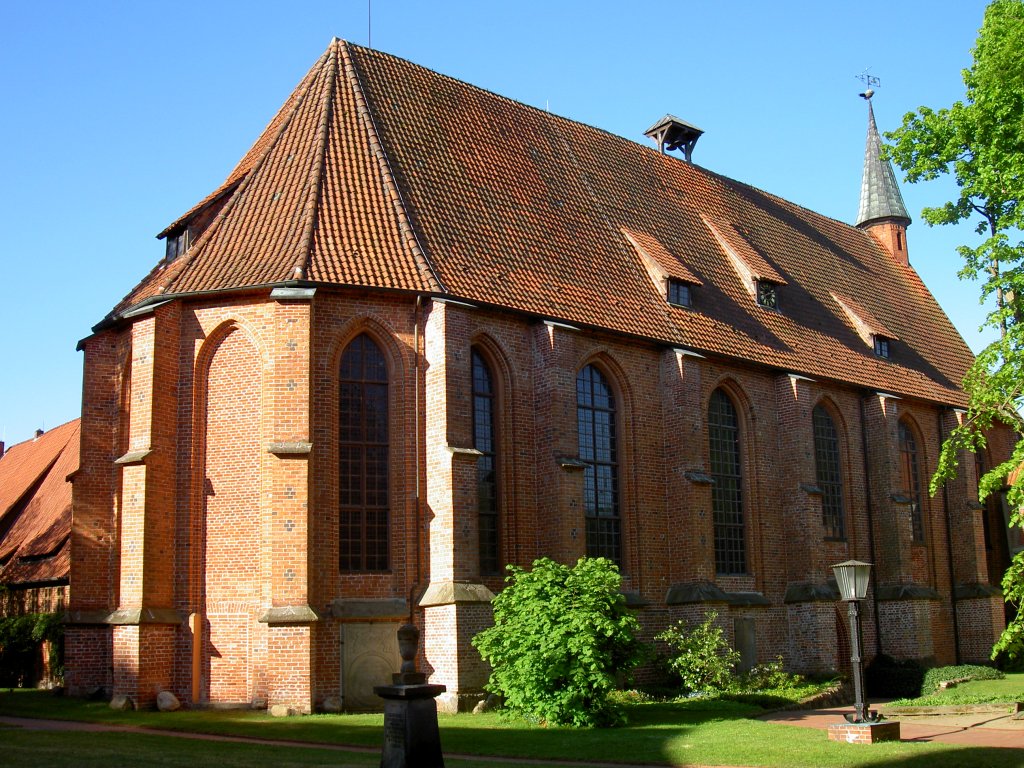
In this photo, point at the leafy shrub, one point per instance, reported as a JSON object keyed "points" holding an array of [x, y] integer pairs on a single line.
{"points": [[701, 656], [771, 675], [20, 638], [887, 678], [561, 635], [933, 677]]}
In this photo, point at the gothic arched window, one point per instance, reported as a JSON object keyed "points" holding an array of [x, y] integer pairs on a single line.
{"points": [[727, 490], [363, 529], [910, 475], [828, 472], [595, 419], [485, 441]]}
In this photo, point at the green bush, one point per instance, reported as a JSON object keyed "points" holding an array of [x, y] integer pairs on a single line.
{"points": [[933, 677], [561, 636], [701, 657], [20, 638], [771, 675]]}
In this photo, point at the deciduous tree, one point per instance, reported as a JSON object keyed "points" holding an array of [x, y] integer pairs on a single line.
{"points": [[980, 142]]}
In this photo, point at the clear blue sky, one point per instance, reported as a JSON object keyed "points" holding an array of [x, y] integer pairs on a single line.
{"points": [[120, 116]]}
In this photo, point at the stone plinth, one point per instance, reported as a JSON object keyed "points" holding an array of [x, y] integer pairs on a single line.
{"points": [[865, 733], [411, 738]]}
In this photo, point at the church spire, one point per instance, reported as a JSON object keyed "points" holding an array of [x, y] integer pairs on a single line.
{"points": [[882, 212]]}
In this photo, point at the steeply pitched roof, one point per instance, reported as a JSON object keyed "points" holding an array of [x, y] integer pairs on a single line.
{"points": [[381, 174], [35, 507], [880, 196]]}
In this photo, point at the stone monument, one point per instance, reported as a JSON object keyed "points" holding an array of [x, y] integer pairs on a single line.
{"points": [[411, 737]]}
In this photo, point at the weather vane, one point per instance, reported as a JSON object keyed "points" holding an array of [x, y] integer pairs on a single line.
{"points": [[871, 82]]}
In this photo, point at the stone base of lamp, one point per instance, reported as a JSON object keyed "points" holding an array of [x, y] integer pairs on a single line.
{"points": [[865, 733]]}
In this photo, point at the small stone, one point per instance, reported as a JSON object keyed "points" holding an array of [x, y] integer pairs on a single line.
{"points": [[281, 710], [167, 701], [448, 703], [488, 704], [122, 703], [331, 704]]}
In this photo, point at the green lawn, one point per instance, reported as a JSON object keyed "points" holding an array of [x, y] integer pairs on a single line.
{"points": [[1009, 689], [704, 733]]}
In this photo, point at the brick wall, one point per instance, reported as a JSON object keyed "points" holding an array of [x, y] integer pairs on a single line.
{"points": [[218, 525]]}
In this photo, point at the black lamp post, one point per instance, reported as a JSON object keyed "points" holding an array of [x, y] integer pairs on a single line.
{"points": [[852, 578]]}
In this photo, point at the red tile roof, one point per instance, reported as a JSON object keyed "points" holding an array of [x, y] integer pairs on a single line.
{"points": [[35, 507], [379, 173]]}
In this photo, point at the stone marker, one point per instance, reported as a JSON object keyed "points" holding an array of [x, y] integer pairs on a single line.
{"points": [[122, 703], [167, 702], [411, 738]]}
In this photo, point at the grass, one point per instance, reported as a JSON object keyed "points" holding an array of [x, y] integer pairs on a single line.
{"points": [[1007, 690], [705, 732]]}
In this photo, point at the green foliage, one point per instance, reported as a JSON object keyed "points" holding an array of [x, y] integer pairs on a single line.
{"points": [[980, 142], [701, 656], [20, 637], [771, 675], [561, 635]]}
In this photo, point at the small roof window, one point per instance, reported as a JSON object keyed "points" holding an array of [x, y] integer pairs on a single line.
{"points": [[881, 346], [177, 244], [866, 325], [679, 293]]}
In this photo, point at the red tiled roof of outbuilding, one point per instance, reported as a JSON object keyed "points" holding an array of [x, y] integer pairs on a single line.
{"points": [[35, 506], [379, 173]]}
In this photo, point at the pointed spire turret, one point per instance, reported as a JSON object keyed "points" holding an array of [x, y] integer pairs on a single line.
{"points": [[882, 211]]}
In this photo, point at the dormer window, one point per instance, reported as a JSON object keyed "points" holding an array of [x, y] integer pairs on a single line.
{"points": [[177, 244], [679, 293], [768, 294], [760, 279], [669, 276], [881, 346]]}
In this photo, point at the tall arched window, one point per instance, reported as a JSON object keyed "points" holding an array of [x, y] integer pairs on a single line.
{"points": [[484, 440], [727, 490], [910, 475], [595, 419], [829, 473], [363, 458]]}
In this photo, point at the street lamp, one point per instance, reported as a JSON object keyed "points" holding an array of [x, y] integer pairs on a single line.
{"points": [[852, 578]]}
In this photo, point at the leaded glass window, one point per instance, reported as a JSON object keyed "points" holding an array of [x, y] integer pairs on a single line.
{"points": [[829, 473], [881, 346], [363, 458], [679, 293], [911, 476], [484, 436], [727, 489], [595, 418]]}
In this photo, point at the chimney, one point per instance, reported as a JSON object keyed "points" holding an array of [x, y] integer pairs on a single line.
{"points": [[1, 449], [39, 433]]}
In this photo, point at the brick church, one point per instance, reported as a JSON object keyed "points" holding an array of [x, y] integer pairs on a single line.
{"points": [[422, 331]]}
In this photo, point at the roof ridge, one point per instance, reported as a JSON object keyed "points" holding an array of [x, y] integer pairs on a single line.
{"points": [[391, 185], [301, 267], [301, 92], [238, 173]]}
